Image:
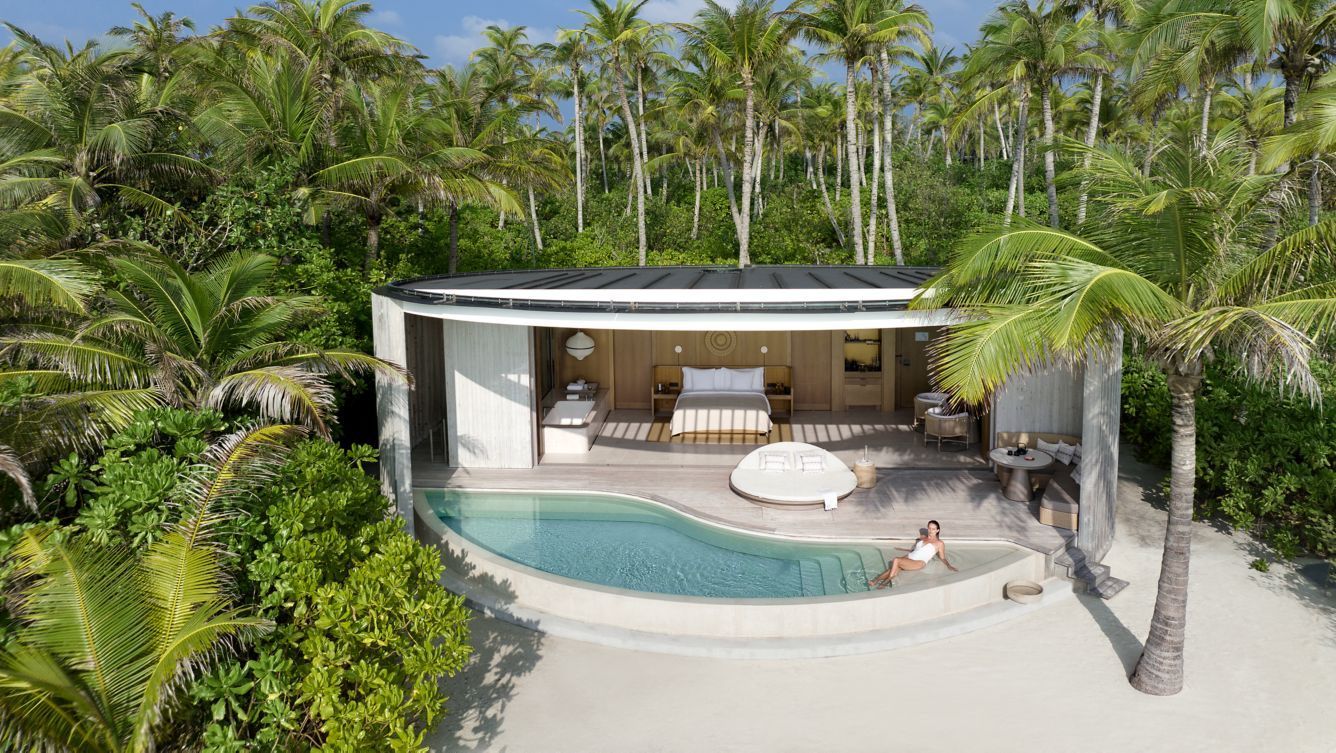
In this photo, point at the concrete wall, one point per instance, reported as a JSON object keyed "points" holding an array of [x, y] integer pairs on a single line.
{"points": [[1099, 452], [1084, 402], [1047, 401], [489, 384], [392, 397]]}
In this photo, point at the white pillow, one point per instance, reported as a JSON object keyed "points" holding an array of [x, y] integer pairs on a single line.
{"points": [[697, 380], [738, 380], [1077, 452], [1076, 473], [1049, 447], [774, 461], [1065, 451], [812, 462]]}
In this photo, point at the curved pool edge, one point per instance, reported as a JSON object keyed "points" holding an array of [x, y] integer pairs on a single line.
{"points": [[708, 626]]}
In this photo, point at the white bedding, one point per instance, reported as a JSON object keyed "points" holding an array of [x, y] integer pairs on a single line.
{"points": [[713, 411]]}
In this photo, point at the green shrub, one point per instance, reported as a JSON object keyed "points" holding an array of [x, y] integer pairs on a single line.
{"points": [[365, 631], [1265, 462]]}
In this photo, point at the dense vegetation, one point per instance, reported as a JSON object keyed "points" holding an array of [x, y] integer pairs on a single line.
{"points": [[191, 225], [1264, 462]]}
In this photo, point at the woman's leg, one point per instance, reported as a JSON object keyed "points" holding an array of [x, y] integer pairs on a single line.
{"points": [[882, 580]]}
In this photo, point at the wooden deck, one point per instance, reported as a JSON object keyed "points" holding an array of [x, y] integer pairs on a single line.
{"points": [[966, 501]]}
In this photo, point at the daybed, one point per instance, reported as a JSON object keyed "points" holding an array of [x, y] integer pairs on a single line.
{"points": [[792, 475]]}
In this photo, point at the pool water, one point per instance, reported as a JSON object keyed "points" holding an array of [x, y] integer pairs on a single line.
{"points": [[627, 543]]}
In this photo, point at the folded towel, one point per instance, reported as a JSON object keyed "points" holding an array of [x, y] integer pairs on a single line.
{"points": [[831, 499], [774, 461], [811, 462], [575, 386]]}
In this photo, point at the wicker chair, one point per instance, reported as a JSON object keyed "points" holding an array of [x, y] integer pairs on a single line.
{"points": [[925, 400], [954, 427]]}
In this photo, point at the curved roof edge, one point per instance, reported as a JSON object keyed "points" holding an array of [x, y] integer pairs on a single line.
{"points": [[674, 289]]}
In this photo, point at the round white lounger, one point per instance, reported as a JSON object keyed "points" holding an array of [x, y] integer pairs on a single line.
{"points": [[794, 488]]}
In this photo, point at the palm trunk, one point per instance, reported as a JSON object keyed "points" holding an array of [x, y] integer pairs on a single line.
{"points": [[372, 242], [644, 137], [1001, 134], [839, 169], [1016, 193], [874, 184], [1091, 131], [695, 212], [637, 171], [1291, 98], [851, 146], [1314, 191], [579, 155], [1160, 669], [1050, 170], [733, 209], [888, 131], [454, 238], [603, 160], [533, 221], [825, 195], [1204, 132]]}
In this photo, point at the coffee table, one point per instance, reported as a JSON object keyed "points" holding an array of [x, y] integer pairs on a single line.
{"points": [[1017, 484]]}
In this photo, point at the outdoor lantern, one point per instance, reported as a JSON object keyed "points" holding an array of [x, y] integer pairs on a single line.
{"points": [[580, 345]]}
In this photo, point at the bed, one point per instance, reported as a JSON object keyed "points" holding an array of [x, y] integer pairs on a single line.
{"points": [[722, 400]]}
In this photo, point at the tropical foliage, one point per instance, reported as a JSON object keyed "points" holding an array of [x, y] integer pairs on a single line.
{"points": [[191, 225]]}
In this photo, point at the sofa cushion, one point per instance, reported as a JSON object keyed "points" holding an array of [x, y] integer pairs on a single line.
{"points": [[1061, 493]]}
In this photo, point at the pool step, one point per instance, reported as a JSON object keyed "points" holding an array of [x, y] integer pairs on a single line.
{"points": [[832, 574], [809, 576]]}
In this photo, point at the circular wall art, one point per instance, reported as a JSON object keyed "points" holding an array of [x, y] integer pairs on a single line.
{"points": [[720, 343]]}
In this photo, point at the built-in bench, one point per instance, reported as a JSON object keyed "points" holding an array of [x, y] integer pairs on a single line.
{"points": [[1059, 494], [571, 426]]}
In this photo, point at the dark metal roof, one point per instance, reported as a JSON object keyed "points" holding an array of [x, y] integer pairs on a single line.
{"points": [[773, 277]]}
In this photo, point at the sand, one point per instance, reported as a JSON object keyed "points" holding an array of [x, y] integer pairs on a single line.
{"points": [[1261, 675]]}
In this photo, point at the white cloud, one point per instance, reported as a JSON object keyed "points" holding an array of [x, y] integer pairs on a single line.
{"points": [[385, 18], [456, 48], [661, 11]]}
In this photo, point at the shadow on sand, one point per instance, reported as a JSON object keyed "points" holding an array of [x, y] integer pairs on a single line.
{"points": [[502, 652]]}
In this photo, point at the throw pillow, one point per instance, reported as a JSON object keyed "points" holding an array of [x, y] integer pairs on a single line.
{"points": [[1065, 451], [1076, 473], [1049, 447]]}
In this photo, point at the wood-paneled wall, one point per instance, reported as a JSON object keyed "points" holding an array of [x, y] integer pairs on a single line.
{"points": [[632, 359], [746, 350], [426, 363], [811, 370], [596, 367]]}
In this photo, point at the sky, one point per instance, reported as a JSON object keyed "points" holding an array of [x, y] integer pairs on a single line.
{"points": [[446, 31]]}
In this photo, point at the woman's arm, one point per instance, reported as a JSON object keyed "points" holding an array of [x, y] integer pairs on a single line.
{"points": [[942, 551]]}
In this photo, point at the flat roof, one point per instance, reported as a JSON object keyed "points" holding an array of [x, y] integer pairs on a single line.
{"points": [[768, 288]]}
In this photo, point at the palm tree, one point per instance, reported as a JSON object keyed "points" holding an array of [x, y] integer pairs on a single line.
{"points": [[904, 22], [157, 38], [851, 29], [75, 132], [613, 29], [1039, 44], [211, 339], [742, 41], [1173, 261], [572, 52], [108, 637]]}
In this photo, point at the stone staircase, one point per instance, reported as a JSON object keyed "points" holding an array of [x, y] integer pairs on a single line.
{"points": [[1092, 577]]}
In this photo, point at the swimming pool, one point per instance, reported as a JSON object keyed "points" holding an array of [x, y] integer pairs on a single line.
{"points": [[625, 543]]}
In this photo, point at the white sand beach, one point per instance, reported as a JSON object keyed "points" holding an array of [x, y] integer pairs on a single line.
{"points": [[1261, 674]]}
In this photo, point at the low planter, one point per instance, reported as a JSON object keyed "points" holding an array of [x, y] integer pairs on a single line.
{"points": [[1024, 591]]}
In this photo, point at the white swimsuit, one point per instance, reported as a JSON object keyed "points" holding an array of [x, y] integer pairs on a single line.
{"points": [[923, 551]]}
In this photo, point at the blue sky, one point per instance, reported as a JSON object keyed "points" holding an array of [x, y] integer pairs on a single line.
{"points": [[444, 30]]}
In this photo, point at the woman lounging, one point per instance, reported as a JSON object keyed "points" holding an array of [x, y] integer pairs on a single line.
{"points": [[927, 547]]}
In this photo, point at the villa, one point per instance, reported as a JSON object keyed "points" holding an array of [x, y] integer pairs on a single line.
{"points": [[657, 389]]}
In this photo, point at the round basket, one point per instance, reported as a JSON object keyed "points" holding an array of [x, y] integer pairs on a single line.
{"points": [[1024, 591]]}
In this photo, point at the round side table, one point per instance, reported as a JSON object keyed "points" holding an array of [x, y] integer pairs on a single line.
{"points": [[866, 475], [1017, 485]]}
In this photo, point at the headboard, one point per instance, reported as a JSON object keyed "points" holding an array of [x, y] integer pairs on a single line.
{"points": [[773, 375]]}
